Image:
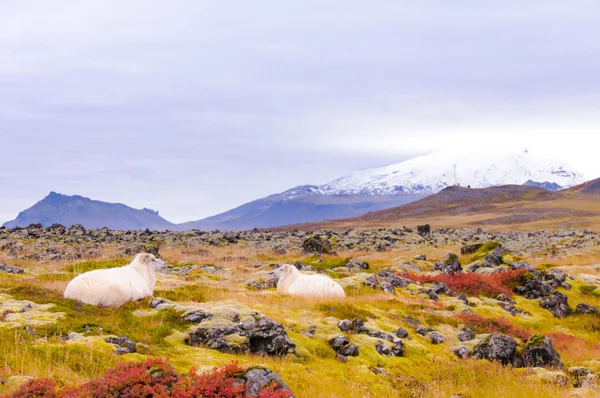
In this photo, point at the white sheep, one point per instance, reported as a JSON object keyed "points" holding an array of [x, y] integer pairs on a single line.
{"points": [[292, 282], [114, 287]]}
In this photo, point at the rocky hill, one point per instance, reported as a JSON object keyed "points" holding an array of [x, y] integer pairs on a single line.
{"points": [[71, 210]]}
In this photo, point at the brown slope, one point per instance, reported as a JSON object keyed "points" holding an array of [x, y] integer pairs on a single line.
{"points": [[588, 188], [511, 207]]}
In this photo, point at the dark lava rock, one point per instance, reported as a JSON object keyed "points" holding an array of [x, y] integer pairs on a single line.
{"points": [[358, 326], [586, 309], [421, 257], [424, 229], [533, 289], [402, 333], [342, 345], [197, 316], [357, 265], [396, 351], [379, 371], [422, 330], [316, 245], [557, 303], [462, 352], [504, 298], [382, 335], [269, 281], [387, 281], [11, 269], [262, 335], [436, 338], [539, 353], [450, 265], [345, 325], [466, 335], [470, 249], [158, 301], [462, 297], [310, 332], [555, 278], [258, 379], [497, 347], [124, 345]]}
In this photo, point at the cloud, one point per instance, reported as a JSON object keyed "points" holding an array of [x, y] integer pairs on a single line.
{"points": [[195, 107]]}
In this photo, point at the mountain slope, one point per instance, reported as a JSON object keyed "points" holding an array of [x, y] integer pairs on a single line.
{"points": [[70, 210], [390, 186], [502, 208], [296, 206]]}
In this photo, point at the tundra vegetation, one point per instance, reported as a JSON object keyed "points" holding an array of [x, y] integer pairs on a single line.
{"points": [[443, 313]]}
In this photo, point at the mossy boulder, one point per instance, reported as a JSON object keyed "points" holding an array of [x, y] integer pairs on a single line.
{"points": [[234, 328], [540, 353], [497, 347]]}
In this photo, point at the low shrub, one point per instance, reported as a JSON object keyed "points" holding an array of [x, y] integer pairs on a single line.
{"points": [[474, 283], [152, 378], [573, 348], [494, 325]]}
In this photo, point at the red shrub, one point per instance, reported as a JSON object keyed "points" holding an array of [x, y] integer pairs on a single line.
{"points": [[494, 325], [475, 284], [154, 378], [573, 348], [40, 388]]}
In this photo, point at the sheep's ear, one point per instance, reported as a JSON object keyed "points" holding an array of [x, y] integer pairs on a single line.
{"points": [[145, 258]]}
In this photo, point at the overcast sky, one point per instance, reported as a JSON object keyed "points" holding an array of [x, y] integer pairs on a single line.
{"points": [[194, 107]]}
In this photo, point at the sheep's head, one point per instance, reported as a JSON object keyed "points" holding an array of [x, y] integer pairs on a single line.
{"points": [[150, 261], [284, 270]]}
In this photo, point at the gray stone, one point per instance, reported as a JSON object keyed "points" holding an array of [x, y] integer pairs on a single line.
{"points": [[257, 379], [436, 338], [587, 309], [466, 335], [462, 352], [11, 269], [557, 303], [539, 353], [497, 347]]}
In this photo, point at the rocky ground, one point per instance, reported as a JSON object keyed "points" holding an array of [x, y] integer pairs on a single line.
{"points": [[461, 313]]}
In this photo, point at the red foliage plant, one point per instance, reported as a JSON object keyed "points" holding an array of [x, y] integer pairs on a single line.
{"points": [[575, 348], [153, 378], [494, 325], [475, 284]]}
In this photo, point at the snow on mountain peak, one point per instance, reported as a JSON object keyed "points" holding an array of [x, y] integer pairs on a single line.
{"points": [[435, 171]]}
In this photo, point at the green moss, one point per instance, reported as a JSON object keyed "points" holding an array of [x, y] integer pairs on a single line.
{"points": [[537, 340], [196, 293], [484, 250], [588, 290], [343, 311], [326, 262]]}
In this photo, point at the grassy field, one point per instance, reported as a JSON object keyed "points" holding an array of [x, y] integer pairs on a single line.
{"points": [[426, 370]]}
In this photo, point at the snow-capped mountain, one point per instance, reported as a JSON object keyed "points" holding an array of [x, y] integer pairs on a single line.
{"points": [[394, 185], [433, 172]]}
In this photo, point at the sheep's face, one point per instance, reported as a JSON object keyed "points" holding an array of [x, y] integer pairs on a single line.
{"points": [[284, 270], [152, 262]]}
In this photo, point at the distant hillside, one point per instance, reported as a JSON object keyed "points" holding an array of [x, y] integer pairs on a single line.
{"points": [[386, 187], [509, 207], [70, 210], [296, 206]]}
